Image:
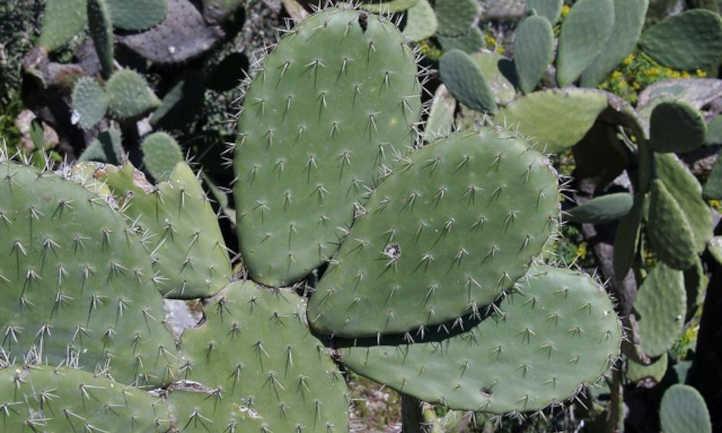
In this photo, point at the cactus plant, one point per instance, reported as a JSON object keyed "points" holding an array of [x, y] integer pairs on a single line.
{"points": [[534, 50], [465, 81]]}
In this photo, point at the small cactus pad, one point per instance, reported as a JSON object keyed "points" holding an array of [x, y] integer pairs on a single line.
{"points": [[687, 191], [46, 399], [161, 154], [90, 102], [713, 186], [137, 15], [495, 68], [463, 77], [440, 122], [421, 22], [263, 370], [628, 22], [101, 31], [469, 42], [602, 209], [683, 410], [686, 41], [558, 331], [76, 284], [335, 101], [661, 305], [676, 126], [456, 225], [556, 119], [62, 20], [129, 95], [533, 51], [669, 233], [584, 35], [106, 147], [656, 370], [549, 9], [188, 251]]}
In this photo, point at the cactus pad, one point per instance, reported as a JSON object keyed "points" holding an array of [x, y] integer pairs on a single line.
{"points": [[76, 284], [686, 41], [628, 22], [129, 95], [687, 191], [388, 6], [464, 79], [557, 332], [264, 371], [549, 9], [101, 31], [683, 410], [456, 17], [421, 22], [90, 102], [669, 233], [62, 20], [335, 101], [638, 372], [556, 119], [661, 305], [676, 126], [106, 147], [188, 251], [45, 399], [584, 35], [458, 223], [533, 51], [602, 209], [161, 154]]}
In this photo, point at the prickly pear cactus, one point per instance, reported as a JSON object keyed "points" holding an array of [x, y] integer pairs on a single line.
{"points": [[556, 331], [457, 224], [76, 283], [334, 102], [261, 368], [46, 399]]}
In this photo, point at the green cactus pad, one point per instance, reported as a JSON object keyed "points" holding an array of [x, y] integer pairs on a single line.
{"points": [[602, 209], [463, 77], [388, 6], [533, 51], [188, 250], [687, 191], [695, 283], [332, 106], [676, 126], [625, 240], [638, 372], [714, 131], [264, 371], [558, 332], [62, 20], [457, 224], [687, 41], [661, 305], [497, 71], [628, 22], [161, 154], [549, 9], [556, 119], [440, 123], [101, 31], [713, 186], [76, 284], [421, 22], [669, 233], [106, 147], [137, 15], [683, 410], [456, 17], [129, 95], [90, 102], [46, 399], [583, 37]]}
